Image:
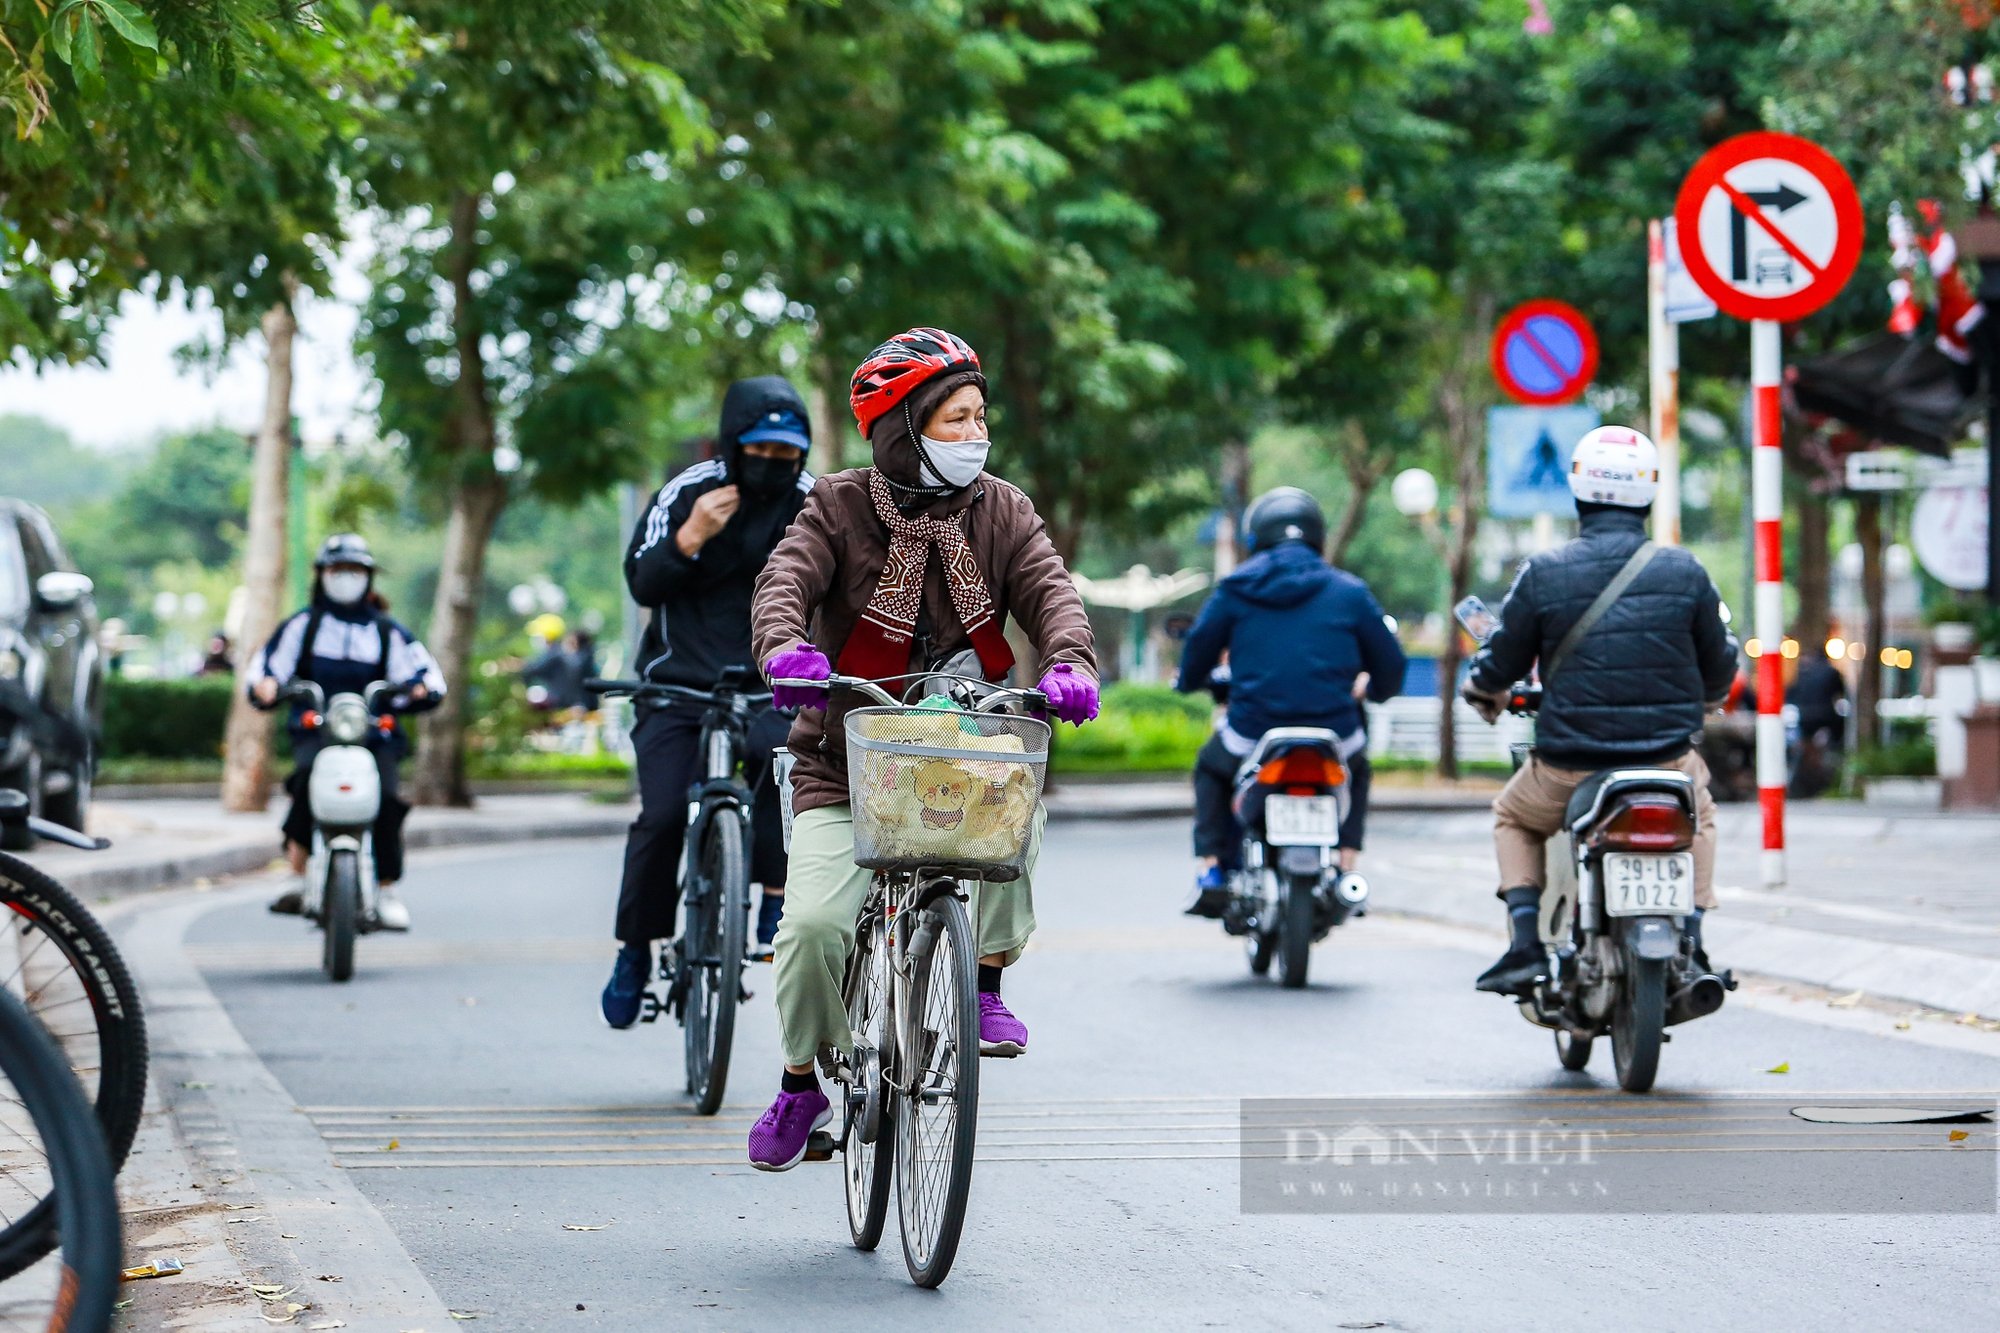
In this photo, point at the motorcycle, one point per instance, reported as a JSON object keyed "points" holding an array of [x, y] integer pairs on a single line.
{"points": [[1290, 798], [344, 792], [1620, 887]]}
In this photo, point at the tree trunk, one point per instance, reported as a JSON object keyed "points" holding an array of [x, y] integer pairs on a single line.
{"points": [[246, 745], [478, 495], [1230, 540], [1364, 471], [1813, 577], [1462, 397], [832, 426], [476, 503], [1875, 637]]}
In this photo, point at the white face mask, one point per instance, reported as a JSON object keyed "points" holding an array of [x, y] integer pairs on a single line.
{"points": [[345, 586], [956, 463]]}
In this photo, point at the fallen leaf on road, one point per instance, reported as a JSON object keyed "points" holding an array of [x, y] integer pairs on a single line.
{"points": [[195, 1087], [329, 1277], [1967, 1019], [1902, 1025], [1847, 1001], [1783, 1068], [462, 1314], [286, 1235], [393, 1145], [271, 1292], [328, 1323], [239, 1207], [232, 1221], [577, 1226], [1960, 1135]]}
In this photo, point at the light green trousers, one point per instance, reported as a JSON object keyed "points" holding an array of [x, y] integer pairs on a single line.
{"points": [[824, 891]]}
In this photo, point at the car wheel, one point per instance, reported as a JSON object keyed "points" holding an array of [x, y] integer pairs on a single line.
{"points": [[27, 777]]}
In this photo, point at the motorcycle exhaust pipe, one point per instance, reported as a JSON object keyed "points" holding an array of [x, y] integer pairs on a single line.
{"points": [[1350, 890], [1698, 999]]}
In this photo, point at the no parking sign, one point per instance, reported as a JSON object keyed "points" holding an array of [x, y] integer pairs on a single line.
{"points": [[1544, 353]]}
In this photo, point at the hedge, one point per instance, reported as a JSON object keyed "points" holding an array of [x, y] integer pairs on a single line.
{"points": [[165, 719], [1141, 729]]}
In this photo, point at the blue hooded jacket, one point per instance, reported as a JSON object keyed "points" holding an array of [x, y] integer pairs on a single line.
{"points": [[1298, 632]]}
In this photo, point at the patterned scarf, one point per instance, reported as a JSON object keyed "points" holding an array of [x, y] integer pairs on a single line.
{"points": [[879, 646]]}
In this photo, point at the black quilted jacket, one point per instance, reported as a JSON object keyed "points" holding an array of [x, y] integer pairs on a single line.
{"points": [[1633, 690]]}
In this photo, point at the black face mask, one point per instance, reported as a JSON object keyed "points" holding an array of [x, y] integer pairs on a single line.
{"points": [[766, 478]]}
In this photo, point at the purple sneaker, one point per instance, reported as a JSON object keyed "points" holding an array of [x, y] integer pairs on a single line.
{"points": [[778, 1139], [1000, 1033]]}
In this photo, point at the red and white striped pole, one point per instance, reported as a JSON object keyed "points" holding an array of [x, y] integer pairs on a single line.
{"points": [[1767, 501]]}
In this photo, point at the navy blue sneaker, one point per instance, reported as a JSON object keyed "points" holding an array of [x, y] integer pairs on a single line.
{"points": [[770, 911], [623, 992], [1211, 894]]}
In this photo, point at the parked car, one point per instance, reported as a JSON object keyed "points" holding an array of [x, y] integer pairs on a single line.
{"points": [[51, 675]]}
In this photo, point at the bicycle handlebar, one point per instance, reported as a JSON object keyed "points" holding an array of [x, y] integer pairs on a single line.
{"points": [[997, 696], [640, 689]]}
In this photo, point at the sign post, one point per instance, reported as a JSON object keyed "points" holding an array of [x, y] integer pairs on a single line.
{"points": [[1770, 228]]}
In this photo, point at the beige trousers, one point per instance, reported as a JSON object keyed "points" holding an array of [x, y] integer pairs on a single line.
{"points": [[824, 891], [1529, 810]]}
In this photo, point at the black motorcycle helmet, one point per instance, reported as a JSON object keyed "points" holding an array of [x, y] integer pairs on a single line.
{"points": [[1286, 514]]}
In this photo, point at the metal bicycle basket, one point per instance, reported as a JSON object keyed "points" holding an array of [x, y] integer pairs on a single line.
{"points": [[939, 788]]}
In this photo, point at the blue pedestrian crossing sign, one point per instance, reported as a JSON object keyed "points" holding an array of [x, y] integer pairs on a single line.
{"points": [[1527, 458]]}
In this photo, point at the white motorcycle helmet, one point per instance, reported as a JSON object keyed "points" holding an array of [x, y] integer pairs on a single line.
{"points": [[1615, 465]]}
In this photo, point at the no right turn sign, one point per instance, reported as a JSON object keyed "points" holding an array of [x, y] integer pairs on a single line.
{"points": [[1770, 226]]}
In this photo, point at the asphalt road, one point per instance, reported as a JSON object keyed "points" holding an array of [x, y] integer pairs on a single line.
{"points": [[466, 1086]]}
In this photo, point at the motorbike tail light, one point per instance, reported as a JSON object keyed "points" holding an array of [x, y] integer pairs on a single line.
{"points": [[310, 720], [1648, 825], [1302, 768]]}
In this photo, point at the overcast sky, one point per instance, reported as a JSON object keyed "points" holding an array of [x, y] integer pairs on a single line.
{"points": [[142, 392]]}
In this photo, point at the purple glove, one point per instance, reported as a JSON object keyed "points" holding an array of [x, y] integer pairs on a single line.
{"points": [[801, 661], [1072, 695]]}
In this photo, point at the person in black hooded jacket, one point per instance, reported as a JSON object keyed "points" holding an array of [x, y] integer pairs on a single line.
{"points": [[693, 562]]}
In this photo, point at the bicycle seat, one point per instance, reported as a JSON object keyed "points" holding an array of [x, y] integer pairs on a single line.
{"points": [[1595, 791]]}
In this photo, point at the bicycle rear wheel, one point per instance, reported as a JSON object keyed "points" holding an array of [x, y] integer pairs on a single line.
{"points": [[866, 1157], [58, 959], [937, 1110], [52, 1152], [716, 917]]}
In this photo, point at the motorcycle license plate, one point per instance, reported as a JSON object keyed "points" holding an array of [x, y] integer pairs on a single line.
{"points": [[1636, 885], [1301, 820]]}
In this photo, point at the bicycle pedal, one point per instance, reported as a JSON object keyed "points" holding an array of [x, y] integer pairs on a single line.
{"points": [[649, 1007], [819, 1147]]}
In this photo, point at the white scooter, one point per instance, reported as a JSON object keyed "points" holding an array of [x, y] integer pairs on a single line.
{"points": [[344, 793]]}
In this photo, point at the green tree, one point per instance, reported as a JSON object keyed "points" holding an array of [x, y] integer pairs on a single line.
{"points": [[512, 152]]}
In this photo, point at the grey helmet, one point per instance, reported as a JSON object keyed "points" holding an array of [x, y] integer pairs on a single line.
{"points": [[1286, 514], [344, 548]]}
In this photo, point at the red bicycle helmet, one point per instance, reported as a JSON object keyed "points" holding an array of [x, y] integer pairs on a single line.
{"points": [[886, 375]]}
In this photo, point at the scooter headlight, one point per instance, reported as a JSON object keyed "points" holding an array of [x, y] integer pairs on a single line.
{"points": [[347, 721]]}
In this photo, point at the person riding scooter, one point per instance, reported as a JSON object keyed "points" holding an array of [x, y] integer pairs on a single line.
{"points": [[345, 641], [1630, 692], [1299, 635]]}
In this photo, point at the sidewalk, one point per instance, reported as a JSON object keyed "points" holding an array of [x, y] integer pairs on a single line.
{"points": [[1897, 906]]}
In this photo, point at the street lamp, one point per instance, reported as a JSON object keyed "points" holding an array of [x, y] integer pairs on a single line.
{"points": [[1414, 492]]}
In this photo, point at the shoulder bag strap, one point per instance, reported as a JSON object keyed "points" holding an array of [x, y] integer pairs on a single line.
{"points": [[1595, 611], [304, 671]]}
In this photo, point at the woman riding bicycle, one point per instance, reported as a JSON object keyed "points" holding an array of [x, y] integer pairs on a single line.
{"points": [[892, 569]]}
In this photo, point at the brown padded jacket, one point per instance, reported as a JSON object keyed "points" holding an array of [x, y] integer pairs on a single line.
{"points": [[820, 578]]}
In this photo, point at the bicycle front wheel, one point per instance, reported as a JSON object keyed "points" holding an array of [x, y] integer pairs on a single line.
{"points": [[55, 1157], [58, 959], [717, 914], [937, 1111]]}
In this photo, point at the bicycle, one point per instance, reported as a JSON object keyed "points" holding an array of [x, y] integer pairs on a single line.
{"points": [[911, 984], [59, 962], [57, 1157], [704, 967]]}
